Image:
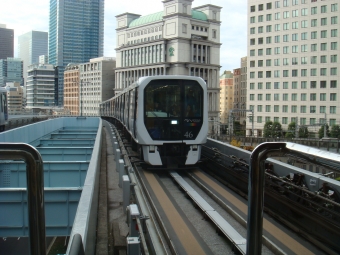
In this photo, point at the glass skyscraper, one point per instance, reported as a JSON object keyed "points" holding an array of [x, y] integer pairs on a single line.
{"points": [[76, 34]]}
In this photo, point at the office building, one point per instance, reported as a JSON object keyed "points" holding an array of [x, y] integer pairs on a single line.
{"points": [[71, 89], [97, 79], [179, 40], [226, 95], [30, 46], [14, 97], [76, 33], [6, 42], [293, 66], [41, 87], [11, 70]]}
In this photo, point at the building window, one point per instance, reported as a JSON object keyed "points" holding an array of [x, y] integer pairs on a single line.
{"points": [[334, 33], [268, 28], [277, 98], [324, 34], [334, 20], [314, 22], [286, 14], [285, 3], [303, 109], [294, 73], [294, 97], [323, 21], [334, 45], [313, 59], [268, 74], [268, 51], [334, 7], [214, 33], [285, 49], [323, 59], [277, 39], [259, 119], [295, 25], [294, 84], [268, 39], [276, 107], [268, 62], [332, 109], [313, 47], [252, 30], [293, 108], [285, 26], [276, 85], [313, 84], [286, 38], [284, 108], [260, 52], [277, 73], [260, 18], [323, 71], [252, 53], [268, 17], [260, 7], [333, 84], [323, 8], [323, 84], [334, 58], [252, 75], [251, 97], [304, 12], [334, 71], [259, 85], [303, 84], [259, 108], [314, 10], [295, 49], [269, 6], [285, 97], [313, 72], [277, 62], [303, 96], [252, 85], [313, 35], [277, 4], [295, 37], [304, 24], [284, 120], [303, 60], [260, 29], [322, 109], [268, 85], [303, 72], [295, 13], [252, 19], [332, 97], [285, 85], [322, 96], [304, 36], [252, 41], [268, 97], [260, 74], [277, 15], [259, 97], [268, 108], [277, 27], [312, 97], [277, 50], [252, 63]]}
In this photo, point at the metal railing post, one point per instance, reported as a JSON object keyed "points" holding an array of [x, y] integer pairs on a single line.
{"points": [[35, 191]]}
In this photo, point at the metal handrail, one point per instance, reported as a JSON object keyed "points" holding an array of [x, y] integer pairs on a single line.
{"points": [[256, 182], [35, 191]]}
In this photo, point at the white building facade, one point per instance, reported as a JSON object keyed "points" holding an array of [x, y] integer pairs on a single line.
{"points": [[40, 87], [293, 66], [97, 81], [180, 40]]}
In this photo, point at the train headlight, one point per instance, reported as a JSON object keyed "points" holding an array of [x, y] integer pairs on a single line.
{"points": [[152, 148], [174, 122], [195, 147]]}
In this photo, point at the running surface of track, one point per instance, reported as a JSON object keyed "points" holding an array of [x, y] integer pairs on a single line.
{"points": [[188, 230]]}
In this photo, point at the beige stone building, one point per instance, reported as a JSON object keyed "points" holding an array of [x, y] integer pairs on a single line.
{"points": [[71, 89], [178, 40], [226, 95], [14, 97]]}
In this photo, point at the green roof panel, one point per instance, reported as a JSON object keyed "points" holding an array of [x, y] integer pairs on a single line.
{"points": [[158, 16]]}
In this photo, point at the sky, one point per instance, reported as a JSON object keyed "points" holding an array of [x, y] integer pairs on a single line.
{"points": [[26, 15]]}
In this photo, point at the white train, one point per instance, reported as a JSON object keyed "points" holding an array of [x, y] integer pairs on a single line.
{"points": [[165, 118], [3, 109]]}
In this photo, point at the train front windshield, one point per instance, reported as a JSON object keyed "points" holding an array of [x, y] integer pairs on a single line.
{"points": [[173, 109]]}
